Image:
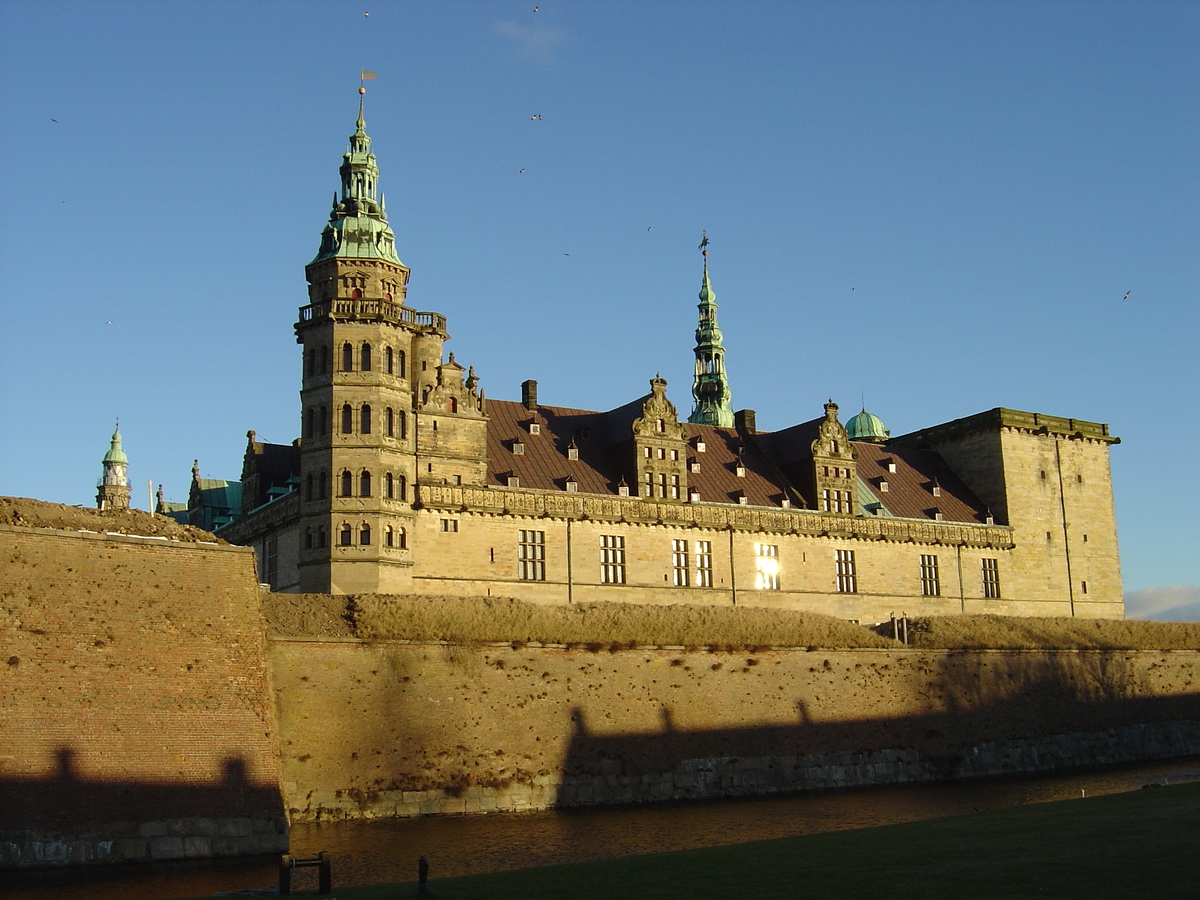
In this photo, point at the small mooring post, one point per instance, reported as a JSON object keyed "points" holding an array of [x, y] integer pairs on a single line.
{"points": [[321, 861]]}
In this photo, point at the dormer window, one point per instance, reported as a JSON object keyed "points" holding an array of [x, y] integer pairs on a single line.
{"points": [[694, 466], [743, 499], [571, 485], [572, 451], [937, 514], [785, 503], [513, 481], [694, 495], [622, 490], [535, 428], [518, 448], [883, 487], [937, 489], [990, 520], [700, 447], [890, 465], [740, 470]]}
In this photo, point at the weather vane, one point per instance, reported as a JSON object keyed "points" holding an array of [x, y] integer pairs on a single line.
{"points": [[704, 244], [365, 76]]}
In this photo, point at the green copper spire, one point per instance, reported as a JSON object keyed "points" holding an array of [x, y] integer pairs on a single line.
{"points": [[710, 387], [115, 455], [358, 227]]}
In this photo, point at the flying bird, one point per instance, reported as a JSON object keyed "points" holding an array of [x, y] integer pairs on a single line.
{"points": [[535, 116], [55, 121], [536, 8], [566, 254], [522, 170], [1126, 297], [647, 227]]}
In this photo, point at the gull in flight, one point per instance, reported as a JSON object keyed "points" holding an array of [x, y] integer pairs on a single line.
{"points": [[1126, 297], [535, 116]]}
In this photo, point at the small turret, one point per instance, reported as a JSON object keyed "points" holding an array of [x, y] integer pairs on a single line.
{"points": [[113, 489], [867, 427]]}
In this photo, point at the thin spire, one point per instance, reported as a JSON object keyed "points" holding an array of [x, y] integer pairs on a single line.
{"points": [[710, 387]]}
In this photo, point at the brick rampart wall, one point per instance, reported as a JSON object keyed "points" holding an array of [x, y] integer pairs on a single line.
{"points": [[134, 687], [387, 728]]}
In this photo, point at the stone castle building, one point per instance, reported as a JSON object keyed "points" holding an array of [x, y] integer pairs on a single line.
{"points": [[406, 478]]}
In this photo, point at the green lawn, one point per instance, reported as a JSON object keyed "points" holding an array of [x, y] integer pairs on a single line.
{"points": [[1138, 845]]}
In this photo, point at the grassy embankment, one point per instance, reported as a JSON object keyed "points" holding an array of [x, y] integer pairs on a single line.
{"points": [[1133, 845], [616, 626]]}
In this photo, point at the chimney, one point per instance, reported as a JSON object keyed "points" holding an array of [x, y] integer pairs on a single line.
{"points": [[529, 394], [743, 420]]}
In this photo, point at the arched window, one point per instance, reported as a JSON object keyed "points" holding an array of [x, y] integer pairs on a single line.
{"points": [[308, 538], [365, 419], [310, 416], [364, 356], [322, 487], [308, 489], [347, 357], [389, 422], [400, 363], [310, 366], [324, 360], [347, 535], [402, 426], [356, 293], [660, 425], [347, 419], [389, 485], [364, 534], [389, 536], [453, 406], [321, 536], [324, 424], [401, 487], [403, 539], [388, 360], [347, 484], [364, 484]]}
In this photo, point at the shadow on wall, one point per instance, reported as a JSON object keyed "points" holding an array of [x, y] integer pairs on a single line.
{"points": [[67, 803], [986, 714]]}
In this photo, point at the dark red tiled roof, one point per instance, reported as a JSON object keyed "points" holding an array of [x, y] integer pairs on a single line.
{"points": [[776, 464]]}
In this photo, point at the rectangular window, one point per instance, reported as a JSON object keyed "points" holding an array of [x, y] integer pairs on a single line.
{"points": [[930, 587], [766, 567], [612, 558], [271, 567], [847, 578], [991, 577], [450, 525], [704, 564], [679, 563], [826, 505], [531, 556]]}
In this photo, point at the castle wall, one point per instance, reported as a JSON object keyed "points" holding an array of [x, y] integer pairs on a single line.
{"points": [[471, 554], [395, 729], [134, 686]]}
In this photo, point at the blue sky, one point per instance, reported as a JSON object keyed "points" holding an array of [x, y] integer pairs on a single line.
{"points": [[937, 207]]}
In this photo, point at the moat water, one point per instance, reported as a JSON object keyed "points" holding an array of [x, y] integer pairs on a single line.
{"points": [[387, 851]]}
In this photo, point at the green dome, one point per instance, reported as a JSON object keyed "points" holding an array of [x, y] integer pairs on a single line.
{"points": [[115, 454], [867, 427]]}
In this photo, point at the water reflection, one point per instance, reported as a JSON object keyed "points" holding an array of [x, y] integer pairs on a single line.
{"points": [[383, 851]]}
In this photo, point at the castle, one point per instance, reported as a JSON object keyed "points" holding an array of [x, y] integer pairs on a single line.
{"points": [[407, 479]]}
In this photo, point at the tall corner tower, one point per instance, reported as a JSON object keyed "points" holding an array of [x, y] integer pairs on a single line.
{"points": [[710, 387], [367, 358], [113, 490]]}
